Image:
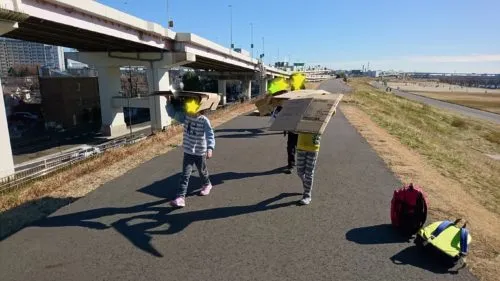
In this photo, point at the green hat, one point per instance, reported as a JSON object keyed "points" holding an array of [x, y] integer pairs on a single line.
{"points": [[276, 85], [297, 81]]}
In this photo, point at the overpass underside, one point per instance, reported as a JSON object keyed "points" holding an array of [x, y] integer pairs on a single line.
{"points": [[109, 39]]}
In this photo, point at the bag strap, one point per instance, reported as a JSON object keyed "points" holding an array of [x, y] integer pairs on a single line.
{"points": [[464, 235], [421, 208], [441, 227]]}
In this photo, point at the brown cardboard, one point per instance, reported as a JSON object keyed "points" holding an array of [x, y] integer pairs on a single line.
{"points": [[308, 112], [267, 104], [207, 100]]}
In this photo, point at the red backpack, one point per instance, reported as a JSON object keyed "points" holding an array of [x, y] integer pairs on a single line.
{"points": [[408, 209]]}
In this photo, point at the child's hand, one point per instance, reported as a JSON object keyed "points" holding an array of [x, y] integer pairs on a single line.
{"points": [[209, 154]]}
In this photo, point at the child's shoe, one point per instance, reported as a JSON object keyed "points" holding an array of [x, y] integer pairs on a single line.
{"points": [[206, 190], [306, 200], [179, 202]]}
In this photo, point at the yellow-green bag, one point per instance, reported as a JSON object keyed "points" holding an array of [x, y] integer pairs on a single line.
{"points": [[446, 240]]}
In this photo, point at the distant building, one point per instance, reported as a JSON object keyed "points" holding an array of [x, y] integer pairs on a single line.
{"points": [[372, 73], [71, 101], [76, 65], [17, 52]]}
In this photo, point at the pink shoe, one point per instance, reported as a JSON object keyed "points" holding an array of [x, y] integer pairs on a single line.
{"points": [[206, 190], [179, 202]]}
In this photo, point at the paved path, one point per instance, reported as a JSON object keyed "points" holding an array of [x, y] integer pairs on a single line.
{"points": [[471, 112], [249, 228]]}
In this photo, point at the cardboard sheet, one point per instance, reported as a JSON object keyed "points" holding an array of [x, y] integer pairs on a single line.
{"points": [[308, 113]]}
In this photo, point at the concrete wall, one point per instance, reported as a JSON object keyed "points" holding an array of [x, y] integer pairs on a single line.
{"points": [[6, 161]]}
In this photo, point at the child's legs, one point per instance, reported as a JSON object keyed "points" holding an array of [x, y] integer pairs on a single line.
{"points": [[291, 147], [310, 165], [301, 163], [201, 165], [188, 164]]}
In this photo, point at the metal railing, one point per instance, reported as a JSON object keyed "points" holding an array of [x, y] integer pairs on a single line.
{"points": [[38, 169], [33, 170]]}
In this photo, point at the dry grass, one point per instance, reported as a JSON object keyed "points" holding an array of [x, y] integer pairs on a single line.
{"points": [[486, 102], [434, 87], [444, 153], [43, 197]]}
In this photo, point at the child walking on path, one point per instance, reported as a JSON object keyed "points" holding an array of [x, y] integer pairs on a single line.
{"points": [[307, 154], [198, 143]]}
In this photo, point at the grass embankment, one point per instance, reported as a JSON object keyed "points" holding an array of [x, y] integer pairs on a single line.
{"points": [[443, 152], [482, 101], [42, 197]]}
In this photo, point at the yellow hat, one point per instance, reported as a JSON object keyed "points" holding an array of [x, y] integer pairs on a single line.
{"points": [[297, 81], [278, 84]]}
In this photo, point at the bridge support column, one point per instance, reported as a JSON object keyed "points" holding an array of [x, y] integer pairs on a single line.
{"points": [[6, 162], [113, 121], [247, 89], [222, 91], [263, 86], [159, 80]]}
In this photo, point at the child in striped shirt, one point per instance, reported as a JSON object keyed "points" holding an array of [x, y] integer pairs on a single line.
{"points": [[198, 143]]}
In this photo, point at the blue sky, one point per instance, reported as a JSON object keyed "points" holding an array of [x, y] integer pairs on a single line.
{"points": [[424, 35]]}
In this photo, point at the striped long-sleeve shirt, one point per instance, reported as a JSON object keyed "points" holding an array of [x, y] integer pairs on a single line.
{"points": [[198, 135]]}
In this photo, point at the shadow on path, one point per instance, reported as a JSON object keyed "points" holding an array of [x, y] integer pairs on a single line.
{"points": [[376, 234], [139, 228], [413, 255], [167, 187], [418, 257], [244, 133]]}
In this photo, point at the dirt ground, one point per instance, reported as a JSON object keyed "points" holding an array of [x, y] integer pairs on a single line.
{"points": [[409, 166]]}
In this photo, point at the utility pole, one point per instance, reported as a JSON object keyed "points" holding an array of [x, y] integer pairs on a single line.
{"points": [[128, 100], [231, 25]]}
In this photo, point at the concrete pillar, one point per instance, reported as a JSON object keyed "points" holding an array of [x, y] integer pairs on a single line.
{"points": [[222, 91], [263, 86], [247, 89], [6, 162], [113, 121], [159, 80]]}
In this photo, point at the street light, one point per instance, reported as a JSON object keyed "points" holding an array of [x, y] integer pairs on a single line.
{"points": [[263, 50], [231, 24], [251, 38], [170, 23]]}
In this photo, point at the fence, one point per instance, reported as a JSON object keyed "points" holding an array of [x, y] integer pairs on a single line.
{"points": [[39, 169], [35, 170]]}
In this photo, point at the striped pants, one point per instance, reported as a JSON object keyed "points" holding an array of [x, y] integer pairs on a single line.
{"points": [[306, 163]]}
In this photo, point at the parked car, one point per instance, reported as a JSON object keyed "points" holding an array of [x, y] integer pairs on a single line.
{"points": [[24, 115]]}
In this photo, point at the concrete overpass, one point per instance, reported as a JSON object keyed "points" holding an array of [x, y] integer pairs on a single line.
{"points": [[109, 39]]}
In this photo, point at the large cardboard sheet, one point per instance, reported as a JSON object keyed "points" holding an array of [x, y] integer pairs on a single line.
{"points": [[308, 114], [207, 100]]}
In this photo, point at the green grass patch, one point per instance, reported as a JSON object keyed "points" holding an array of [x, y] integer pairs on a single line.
{"points": [[453, 144]]}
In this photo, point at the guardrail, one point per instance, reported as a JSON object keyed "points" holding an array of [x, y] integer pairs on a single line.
{"points": [[38, 169]]}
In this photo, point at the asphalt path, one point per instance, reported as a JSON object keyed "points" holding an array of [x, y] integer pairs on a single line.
{"points": [[249, 228], [464, 110]]}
